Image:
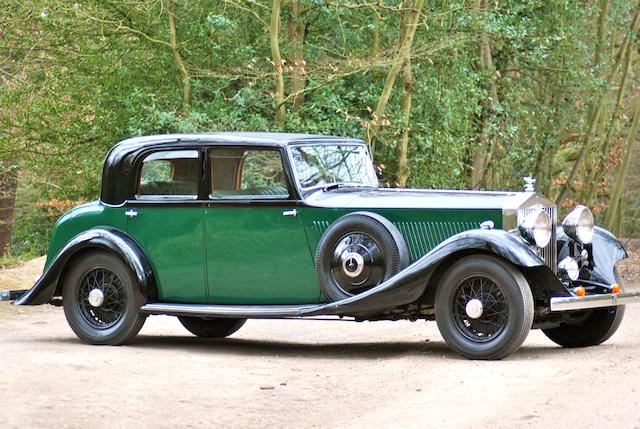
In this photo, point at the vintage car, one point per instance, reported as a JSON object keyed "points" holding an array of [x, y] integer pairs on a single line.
{"points": [[217, 228]]}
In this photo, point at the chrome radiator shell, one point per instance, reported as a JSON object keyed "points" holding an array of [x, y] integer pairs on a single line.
{"points": [[514, 213]]}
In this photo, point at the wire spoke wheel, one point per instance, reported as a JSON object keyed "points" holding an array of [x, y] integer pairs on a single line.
{"points": [[484, 307], [492, 314], [102, 298]]}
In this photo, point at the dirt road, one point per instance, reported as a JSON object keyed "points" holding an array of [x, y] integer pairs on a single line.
{"points": [[305, 374]]}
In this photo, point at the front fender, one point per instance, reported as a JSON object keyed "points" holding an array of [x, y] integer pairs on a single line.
{"points": [[606, 251], [409, 284], [104, 238]]}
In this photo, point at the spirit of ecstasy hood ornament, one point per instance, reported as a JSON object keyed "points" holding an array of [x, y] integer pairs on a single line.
{"points": [[528, 183]]}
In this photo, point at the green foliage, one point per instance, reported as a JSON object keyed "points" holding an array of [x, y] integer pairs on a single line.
{"points": [[79, 77]]}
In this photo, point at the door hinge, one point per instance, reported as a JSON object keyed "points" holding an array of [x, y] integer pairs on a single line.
{"points": [[131, 213]]}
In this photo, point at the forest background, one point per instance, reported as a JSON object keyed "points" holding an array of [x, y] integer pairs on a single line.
{"points": [[451, 94]]}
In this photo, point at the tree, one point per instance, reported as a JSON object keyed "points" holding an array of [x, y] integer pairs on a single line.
{"points": [[274, 33]]}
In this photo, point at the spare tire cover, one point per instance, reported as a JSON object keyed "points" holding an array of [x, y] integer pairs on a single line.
{"points": [[358, 252]]}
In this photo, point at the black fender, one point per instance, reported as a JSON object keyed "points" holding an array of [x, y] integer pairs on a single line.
{"points": [[605, 250], [104, 238], [409, 284]]}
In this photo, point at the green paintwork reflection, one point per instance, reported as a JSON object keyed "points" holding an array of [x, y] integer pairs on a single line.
{"points": [[255, 255], [172, 239], [80, 219]]}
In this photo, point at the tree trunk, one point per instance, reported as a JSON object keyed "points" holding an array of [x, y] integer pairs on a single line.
{"points": [[274, 30], [8, 186], [405, 110], [485, 62], [407, 31], [602, 23], [613, 214], [598, 172], [175, 49], [599, 107], [296, 53]]}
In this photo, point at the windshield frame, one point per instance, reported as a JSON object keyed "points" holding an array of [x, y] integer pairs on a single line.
{"points": [[306, 190]]}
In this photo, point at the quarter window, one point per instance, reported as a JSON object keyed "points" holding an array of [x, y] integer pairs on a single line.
{"points": [[172, 174], [241, 173]]}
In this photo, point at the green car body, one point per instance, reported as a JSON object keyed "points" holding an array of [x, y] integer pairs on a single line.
{"points": [[177, 249], [221, 227]]}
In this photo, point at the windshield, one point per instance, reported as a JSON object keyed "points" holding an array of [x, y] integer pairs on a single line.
{"points": [[326, 164]]}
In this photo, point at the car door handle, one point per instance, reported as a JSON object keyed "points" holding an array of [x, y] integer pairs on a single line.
{"points": [[293, 213], [131, 213]]}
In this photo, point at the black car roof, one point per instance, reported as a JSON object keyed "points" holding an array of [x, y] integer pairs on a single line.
{"points": [[118, 166], [249, 138]]}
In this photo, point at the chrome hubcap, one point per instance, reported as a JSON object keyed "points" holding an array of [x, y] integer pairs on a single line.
{"points": [[352, 264], [474, 308], [96, 298]]}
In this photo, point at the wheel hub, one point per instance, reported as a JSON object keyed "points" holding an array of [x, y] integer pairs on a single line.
{"points": [[474, 308], [96, 298], [352, 264]]}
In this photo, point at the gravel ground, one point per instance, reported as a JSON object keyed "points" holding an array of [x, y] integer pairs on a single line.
{"points": [[306, 374]]}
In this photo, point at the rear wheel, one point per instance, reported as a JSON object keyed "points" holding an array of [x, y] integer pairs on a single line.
{"points": [[592, 328], [484, 307], [211, 327], [101, 300]]}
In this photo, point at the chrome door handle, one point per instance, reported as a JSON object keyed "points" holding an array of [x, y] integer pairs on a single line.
{"points": [[131, 213], [293, 213]]}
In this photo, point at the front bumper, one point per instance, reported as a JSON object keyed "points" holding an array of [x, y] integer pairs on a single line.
{"points": [[566, 303]]}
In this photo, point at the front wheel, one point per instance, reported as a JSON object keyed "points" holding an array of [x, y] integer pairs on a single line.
{"points": [[102, 300], [484, 307], [592, 328]]}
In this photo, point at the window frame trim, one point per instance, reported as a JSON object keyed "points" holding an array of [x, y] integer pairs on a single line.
{"points": [[139, 163], [244, 199]]}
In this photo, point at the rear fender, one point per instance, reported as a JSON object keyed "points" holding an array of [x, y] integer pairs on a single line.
{"points": [[104, 238]]}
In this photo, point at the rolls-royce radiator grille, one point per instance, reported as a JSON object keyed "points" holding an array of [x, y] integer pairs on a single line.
{"points": [[549, 253]]}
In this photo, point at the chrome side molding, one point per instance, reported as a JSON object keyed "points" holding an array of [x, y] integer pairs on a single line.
{"points": [[564, 303], [207, 310]]}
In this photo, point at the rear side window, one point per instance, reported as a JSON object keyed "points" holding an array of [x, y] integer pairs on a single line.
{"points": [[170, 174], [247, 173]]}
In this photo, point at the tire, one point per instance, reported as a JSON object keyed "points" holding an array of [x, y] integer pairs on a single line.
{"points": [[117, 319], [358, 252], [594, 327], [476, 333], [211, 328]]}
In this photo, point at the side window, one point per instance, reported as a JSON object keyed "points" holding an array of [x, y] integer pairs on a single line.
{"points": [[172, 174], [242, 173]]}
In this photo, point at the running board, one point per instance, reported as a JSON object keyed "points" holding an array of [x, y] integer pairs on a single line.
{"points": [[244, 311]]}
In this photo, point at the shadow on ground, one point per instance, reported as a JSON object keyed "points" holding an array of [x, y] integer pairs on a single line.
{"points": [[343, 351]]}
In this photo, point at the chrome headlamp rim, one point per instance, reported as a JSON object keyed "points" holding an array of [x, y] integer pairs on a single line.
{"points": [[578, 224], [536, 228]]}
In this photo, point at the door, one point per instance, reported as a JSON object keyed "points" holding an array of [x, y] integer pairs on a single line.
{"points": [[257, 251], [166, 218]]}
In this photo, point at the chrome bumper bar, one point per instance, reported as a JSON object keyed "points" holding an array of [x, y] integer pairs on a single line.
{"points": [[564, 303]]}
